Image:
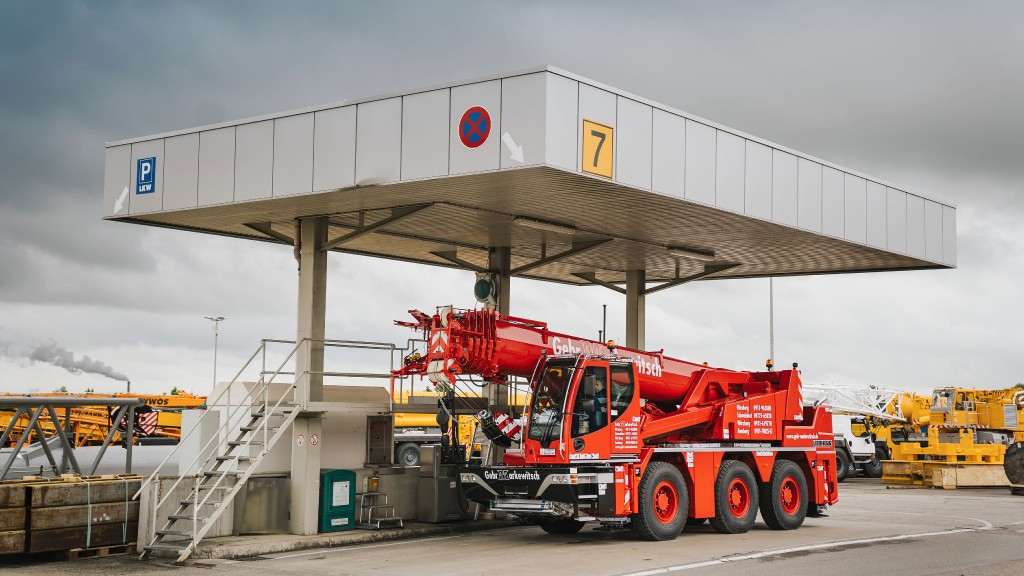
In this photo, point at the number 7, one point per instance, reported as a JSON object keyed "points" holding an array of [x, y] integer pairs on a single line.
{"points": [[597, 152]]}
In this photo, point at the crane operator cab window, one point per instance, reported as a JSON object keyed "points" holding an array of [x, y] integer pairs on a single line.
{"points": [[622, 389], [590, 412], [548, 404], [942, 400]]}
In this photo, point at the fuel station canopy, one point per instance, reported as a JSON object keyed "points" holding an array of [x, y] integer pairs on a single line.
{"points": [[582, 182]]}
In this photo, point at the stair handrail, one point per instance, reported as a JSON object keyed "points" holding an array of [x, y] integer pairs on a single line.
{"points": [[261, 348], [242, 405]]}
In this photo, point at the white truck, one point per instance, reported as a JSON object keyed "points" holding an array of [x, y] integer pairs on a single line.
{"points": [[856, 447]]}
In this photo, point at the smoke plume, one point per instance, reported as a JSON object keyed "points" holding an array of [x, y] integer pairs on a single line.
{"points": [[54, 354]]}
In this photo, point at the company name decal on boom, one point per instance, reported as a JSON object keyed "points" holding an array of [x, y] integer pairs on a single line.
{"points": [[504, 474]]}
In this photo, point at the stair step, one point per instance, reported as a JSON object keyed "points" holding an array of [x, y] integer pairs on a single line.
{"points": [[255, 428], [243, 442], [375, 506], [223, 472], [173, 533], [201, 487], [187, 517], [168, 547], [208, 503], [240, 458]]}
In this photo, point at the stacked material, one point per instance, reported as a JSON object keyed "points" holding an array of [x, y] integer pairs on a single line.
{"points": [[72, 512], [12, 518]]}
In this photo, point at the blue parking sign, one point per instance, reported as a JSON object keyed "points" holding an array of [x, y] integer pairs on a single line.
{"points": [[145, 176]]}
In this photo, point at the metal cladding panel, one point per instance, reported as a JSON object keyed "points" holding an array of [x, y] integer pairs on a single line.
{"points": [[217, 166], [379, 142], [700, 162], [254, 161], [784, 193], [293, 155], [933, 231], [334, 148], [949, 235], [876, 215], [758, 188], [915, 226], [561, 122], [181, 176], [809, 195], [896, 220], [116, 175], [425, 134], [523, 105], [856, 208], [598, 106], [633, 150], [730, 171], [486, 95], [833, 202], [152, 201], [668, 154]]}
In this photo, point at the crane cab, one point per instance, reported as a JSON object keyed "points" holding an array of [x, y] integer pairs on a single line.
{"points": [[583, 409]]}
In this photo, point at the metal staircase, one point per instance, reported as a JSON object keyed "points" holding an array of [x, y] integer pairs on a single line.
{"points": [[252, 426]]}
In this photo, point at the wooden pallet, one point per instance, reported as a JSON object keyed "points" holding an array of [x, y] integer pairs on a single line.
{"points": [[99, 551]]}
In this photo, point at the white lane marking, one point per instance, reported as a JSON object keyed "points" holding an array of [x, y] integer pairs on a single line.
{"points": [[767, 553], [350, 548]]}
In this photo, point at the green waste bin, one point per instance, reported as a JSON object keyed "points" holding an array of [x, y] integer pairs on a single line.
{"points": [[337, 500]]}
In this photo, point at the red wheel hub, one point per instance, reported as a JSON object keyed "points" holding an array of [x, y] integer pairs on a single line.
{"points": [[666, 502], [738, 497], [789, 496]]}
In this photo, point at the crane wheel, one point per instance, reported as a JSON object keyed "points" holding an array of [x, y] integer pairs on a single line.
{"points": [[561, 526], [407, 454], [1013, 463], [735, 498], [664, 503], [842, 465], [873, 469], [784, 497]]}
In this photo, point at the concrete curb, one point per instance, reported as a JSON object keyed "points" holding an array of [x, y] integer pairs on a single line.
{"points": [[232, 547]]}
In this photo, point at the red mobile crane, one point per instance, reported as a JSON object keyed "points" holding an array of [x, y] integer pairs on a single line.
{"points": [[624, 436]]}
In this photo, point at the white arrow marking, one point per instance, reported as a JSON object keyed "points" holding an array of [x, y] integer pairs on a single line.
{"points": [[119, 203], [517, 151]]}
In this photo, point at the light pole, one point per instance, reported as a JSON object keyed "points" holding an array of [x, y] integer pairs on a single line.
{"points": [[216, 333]]}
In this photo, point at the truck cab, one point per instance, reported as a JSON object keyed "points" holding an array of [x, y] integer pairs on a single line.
{"points": [[582, 409]]}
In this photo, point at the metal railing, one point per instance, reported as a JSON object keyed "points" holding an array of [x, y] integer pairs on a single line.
{"points": [[34, 408]]}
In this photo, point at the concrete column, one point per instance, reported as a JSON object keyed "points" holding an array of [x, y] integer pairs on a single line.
{"points": [[309, 380], [636, 280], [312, 311]]}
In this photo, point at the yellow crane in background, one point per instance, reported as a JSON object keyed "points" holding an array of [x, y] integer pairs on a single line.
{"points": [[89, 425]]}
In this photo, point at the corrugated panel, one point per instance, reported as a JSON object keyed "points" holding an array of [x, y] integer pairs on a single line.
{"points": [[758, 188], [379, 142], [784, 192], [523, 105], [293, 155], [597, 208], [633, 158], [856, 209], [876, 215], [334, 148], [216, 166], [730, 172], [809, 195], [668, 154], [425, 121], [896, 220], [181, 179], [561, 121], [254, 161], [700, 162]]}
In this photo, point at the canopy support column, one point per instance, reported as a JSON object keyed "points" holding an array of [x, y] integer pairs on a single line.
{"points": [[636, 281], [309, 369]]}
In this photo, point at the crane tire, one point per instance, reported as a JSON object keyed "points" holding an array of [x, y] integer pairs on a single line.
{"points": [[873, 469], [842, 465], [1013, 463], [784, 497], [561, 526], [663, 503], [407, 454], [735, 498]]}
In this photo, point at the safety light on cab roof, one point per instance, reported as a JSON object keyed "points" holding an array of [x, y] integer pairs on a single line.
{"points": [[611, 345], [769, 364]]}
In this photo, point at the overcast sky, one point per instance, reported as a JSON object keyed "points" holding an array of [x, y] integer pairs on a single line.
{"points": [[926, 95]]}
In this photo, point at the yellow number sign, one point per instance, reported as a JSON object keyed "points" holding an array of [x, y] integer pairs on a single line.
{"points": [[598, 148]]}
